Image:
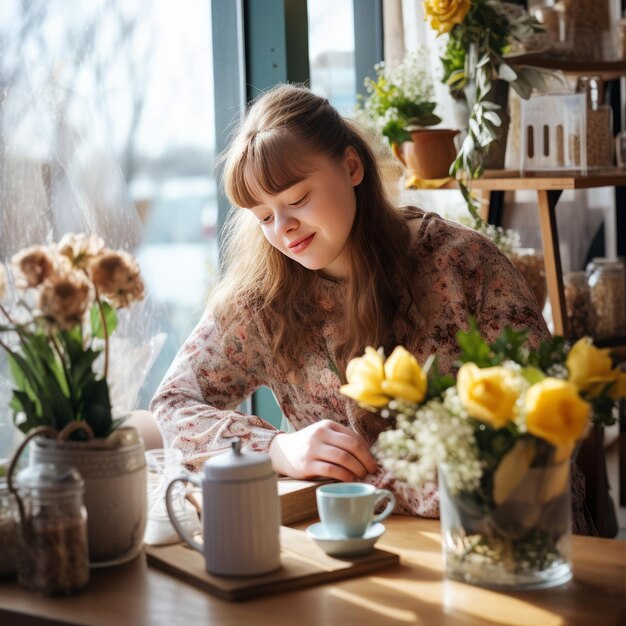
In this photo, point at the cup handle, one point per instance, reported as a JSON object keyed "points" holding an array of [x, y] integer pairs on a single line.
{"points": [[185, 536], [382, 494]]}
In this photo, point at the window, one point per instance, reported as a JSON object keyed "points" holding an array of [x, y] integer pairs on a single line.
{"points": [[331, 52], [92, 88]]}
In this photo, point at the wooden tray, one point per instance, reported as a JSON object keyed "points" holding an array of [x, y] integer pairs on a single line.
{"points": [[303, 565]]}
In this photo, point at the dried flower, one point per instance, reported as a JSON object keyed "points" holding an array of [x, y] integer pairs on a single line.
{"points": [[58, 336], [64, 299], [33, 266], [80, 248], [116, 276]]}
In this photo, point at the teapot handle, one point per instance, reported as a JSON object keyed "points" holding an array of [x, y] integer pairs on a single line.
{"points": [[185, 536]]}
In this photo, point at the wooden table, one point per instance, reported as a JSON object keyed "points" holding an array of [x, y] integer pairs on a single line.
{"points": [[413, 593], [549, 186]]}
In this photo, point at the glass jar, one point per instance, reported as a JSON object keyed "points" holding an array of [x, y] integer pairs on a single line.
{"points": [[8, 531], [607, 291], [530, 263], [558, 25], [578, 304], [52, 543], [599, 123], [163, 466]]}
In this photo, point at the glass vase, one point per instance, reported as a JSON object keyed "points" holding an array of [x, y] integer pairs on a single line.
{"points": [[522, 543]]}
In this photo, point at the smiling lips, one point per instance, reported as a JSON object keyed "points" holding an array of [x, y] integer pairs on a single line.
{"points": [[300, 245]]}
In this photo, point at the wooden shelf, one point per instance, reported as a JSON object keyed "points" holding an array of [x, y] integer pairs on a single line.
{"points": [[607, 70], [512, 180], [548, 186]]}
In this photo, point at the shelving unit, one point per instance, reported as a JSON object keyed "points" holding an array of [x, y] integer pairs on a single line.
{"points": [[549, 187]]}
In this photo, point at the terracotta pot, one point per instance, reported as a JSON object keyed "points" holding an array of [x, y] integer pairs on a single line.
{"points": [[429, 154], [114, 471]]}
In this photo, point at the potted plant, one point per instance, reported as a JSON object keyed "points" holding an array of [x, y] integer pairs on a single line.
{"points": [[399, 106], [55, 327], [501, 434]]}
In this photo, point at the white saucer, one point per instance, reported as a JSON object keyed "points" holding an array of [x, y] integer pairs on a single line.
{"points": [[345, 546]]}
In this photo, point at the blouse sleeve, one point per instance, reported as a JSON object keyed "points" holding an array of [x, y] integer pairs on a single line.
{"points": [[210, 376], [506, 298]]}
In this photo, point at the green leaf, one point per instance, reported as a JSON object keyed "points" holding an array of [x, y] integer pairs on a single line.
{"points": [[549, 353], [96, 407], [110, 317], [509, 345], [474, 349], [21, 403], [438, 382], [532, 375]]}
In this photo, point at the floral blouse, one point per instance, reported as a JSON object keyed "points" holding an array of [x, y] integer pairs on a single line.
{"points": [[460, 273]]}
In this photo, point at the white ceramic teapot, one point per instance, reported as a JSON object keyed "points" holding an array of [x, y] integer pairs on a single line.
{"points": [[241, 513]]}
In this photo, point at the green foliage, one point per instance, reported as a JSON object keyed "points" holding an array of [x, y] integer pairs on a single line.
{"points": [[474, 55], [549, 353], [508, 346], [399, 100], [110, 318], [438, 382], [55, 382]]}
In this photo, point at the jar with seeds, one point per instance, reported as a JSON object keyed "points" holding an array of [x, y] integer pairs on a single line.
{"points": [[52, 555], [530, 263], [607, 292], [599, 123], [578, 304]]}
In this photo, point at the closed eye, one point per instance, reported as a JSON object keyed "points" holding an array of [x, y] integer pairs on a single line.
{"points": [[301, 201], [267, 219]]}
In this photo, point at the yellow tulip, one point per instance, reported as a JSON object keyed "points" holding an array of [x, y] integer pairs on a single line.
{"points": [[404, 378], [365, 374], [445, 14], [488, 394], [556, 412], [590, 369]]}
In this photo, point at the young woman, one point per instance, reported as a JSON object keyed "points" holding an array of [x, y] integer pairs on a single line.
{"points": [[318, 265]]}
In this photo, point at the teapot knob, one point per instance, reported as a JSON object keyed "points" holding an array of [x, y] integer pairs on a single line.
{"points": [[236, 445]]}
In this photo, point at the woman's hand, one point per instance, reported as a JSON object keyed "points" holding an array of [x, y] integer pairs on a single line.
{"points": [[325, 449]]}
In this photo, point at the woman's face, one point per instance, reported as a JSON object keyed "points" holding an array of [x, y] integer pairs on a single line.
{"points": [[310, 222]]}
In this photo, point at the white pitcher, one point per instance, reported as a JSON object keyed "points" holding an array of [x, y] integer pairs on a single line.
{"points": [[241, 513]]}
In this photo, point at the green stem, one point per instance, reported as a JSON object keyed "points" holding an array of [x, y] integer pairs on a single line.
{"points": [[105, 332], [6, 314]]}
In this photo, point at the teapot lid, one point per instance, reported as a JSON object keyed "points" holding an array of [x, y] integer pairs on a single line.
{"points": [[237, 464]]}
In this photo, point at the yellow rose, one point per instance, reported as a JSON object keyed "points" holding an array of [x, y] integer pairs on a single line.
{"points": [[365, 375], [404, 378], [590, 369], [556, 412], [487, 394], [445, 14]]}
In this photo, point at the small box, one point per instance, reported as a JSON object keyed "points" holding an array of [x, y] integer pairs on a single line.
{"points": [[554, 133]]}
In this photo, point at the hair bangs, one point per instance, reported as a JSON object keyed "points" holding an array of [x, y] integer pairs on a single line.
{"points": [[272, 162]]}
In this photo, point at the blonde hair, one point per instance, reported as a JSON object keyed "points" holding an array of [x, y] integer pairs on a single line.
{"points": [[283, 127]]}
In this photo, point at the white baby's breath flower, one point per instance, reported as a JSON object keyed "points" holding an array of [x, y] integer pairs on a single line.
{"points": [[436, 433]]}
